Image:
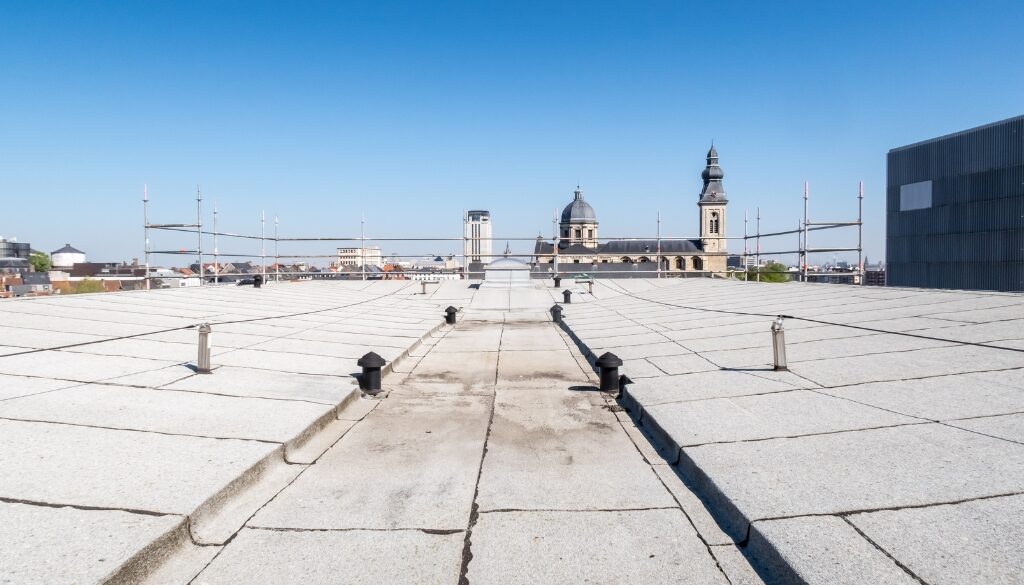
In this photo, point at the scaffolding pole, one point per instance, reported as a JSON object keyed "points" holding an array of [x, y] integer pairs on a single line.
{"points": [[362, 245], [216, 251], [803, 255], [659, 245], [145, 221], [199, 230], [757, 246], [860, 231], [277, 259], [263, 244]]}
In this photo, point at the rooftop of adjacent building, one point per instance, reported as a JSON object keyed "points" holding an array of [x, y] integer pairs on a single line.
{"points": [[1014, 119]]}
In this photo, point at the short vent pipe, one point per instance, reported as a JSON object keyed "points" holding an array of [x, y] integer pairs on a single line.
{"points": [[203, 360], [779, 344], [608, 364], [369, 381]]}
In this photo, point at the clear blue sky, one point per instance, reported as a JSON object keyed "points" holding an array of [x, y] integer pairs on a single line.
{"points": [[411, 112]]}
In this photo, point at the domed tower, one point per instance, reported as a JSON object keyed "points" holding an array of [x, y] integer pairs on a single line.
{"points": [[579, 222], [712, 206]]}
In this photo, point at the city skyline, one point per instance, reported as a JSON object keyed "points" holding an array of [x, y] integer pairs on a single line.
{"points": [[408, 115]]}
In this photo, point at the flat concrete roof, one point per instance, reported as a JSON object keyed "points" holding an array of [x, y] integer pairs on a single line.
{"points": [[891, 450]]}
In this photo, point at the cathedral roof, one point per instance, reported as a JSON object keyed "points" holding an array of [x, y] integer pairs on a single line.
{"points": [[579, 211]]}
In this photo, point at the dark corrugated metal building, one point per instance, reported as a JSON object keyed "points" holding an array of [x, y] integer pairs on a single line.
{"points": [[955, 210]]}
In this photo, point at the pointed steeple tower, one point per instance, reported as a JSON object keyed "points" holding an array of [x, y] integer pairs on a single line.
{"points": [[713, 174], [712, 206]]}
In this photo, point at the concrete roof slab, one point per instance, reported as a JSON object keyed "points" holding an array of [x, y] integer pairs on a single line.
{"points": [[539, 367], [63, 464], [402, 557], [235, 381], [764, 416], [703, 385], [822, 474], [57, 546], [650, 546], [168, 411], [969, 542], [412, 464], [77, 366], [821, 550], [944, 397], [15, 386], [562, 438], [472, 368], [1009, 426]]}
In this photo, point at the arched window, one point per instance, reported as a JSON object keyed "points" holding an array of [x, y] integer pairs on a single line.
{"points": [[698, 264], [714, 222], [664, 264], [576, 261], [626, 260], [680, 263], [645, 259]]}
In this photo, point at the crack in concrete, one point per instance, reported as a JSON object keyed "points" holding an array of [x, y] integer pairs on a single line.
{"points": [[432, 531], [146, 431], [474, 514], [86, 507], [867, 538]]}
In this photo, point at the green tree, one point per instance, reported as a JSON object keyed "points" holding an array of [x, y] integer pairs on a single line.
{"points": [[770, 272], [40, 261], [87, 286]]}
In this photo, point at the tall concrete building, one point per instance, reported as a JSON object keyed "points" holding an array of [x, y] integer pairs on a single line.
{"points": [[955, 210], [477, 234]]}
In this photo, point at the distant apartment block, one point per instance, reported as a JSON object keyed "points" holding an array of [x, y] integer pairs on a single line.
{"points": [[477, 236], [955, 210], [364, 256], [12, 248]]}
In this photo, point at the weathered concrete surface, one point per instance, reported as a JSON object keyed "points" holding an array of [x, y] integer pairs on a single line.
{"points": [[834, 473], [173, 413], [540, 439], [500, 469], [354, 556], [64, 464], [643, 546], [412, 464], [969, 542], [521, 436], [821, 550], [764, 416], [146, 435], [864, 420], [53, 546]]}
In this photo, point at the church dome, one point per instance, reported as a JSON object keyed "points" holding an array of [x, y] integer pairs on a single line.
{"points": [[579, 211]]}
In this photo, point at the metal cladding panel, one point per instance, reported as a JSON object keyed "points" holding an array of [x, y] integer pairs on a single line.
{"points": [[972, 236]]}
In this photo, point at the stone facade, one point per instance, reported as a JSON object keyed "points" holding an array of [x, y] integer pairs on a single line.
{"points": [[578, 241]]}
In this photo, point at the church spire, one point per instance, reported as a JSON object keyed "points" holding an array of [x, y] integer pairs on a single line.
{"points": [[713, 192]]}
